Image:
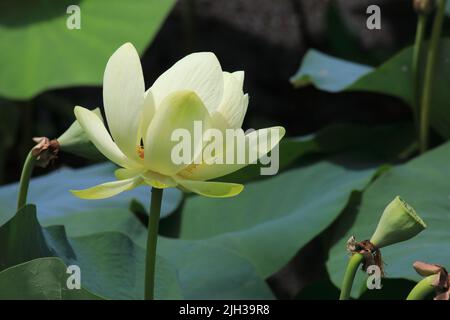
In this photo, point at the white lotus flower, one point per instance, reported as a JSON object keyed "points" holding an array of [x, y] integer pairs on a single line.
{"points": [[142, 122]]}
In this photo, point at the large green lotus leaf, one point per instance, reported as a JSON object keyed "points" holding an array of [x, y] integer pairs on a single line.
{"points": [[14, 249], [212, 271], [392, 78], [328, 73], [204, 270], [273, 218], [38, 52], [56, 204], [112, 265], [422, 182], [40, 279]]}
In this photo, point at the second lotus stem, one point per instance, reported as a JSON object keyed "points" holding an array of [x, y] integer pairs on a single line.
{"points": [[416, 62], [422, 289], [25, 177], [425, 104]]}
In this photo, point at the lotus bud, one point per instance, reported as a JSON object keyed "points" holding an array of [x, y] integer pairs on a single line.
{"points": [[75, 141], [423, 6], [399, 222]]}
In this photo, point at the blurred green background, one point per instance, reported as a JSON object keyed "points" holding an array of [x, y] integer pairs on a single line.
{"points": [[47, 69]]}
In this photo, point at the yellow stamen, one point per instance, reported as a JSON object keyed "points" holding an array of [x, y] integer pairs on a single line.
{"points": [[140, 151]]}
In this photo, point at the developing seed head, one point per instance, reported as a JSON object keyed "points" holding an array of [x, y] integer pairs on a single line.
{"points": [[399, 222]]}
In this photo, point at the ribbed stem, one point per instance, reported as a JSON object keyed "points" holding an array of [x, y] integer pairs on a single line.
{"points": [[429, 75], [423, 288], [349, 276], [417, 61], [25, 177]]}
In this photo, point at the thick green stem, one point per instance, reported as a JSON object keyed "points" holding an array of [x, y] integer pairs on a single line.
{"points": [[350, 273], [25, 177], [429, 75], [423, 288], [416, 61], [152, 239]]}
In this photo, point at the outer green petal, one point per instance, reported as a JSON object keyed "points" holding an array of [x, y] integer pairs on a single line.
{"points": [[123, 98], [178, 111], [151, 178], [109, 189], [206, 171], [123, 174], [199, 72], [212, 189], [158, 180], [97, 133]]}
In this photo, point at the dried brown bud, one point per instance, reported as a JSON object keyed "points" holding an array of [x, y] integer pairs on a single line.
{"points": [[426, 269], [423, 6], [45, 151], [442, 283], [371, 254], [351, 244]]}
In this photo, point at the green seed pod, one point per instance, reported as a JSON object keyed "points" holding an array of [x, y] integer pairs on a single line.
{"points": [[423, 6], [75, 141], [399, 222]]}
